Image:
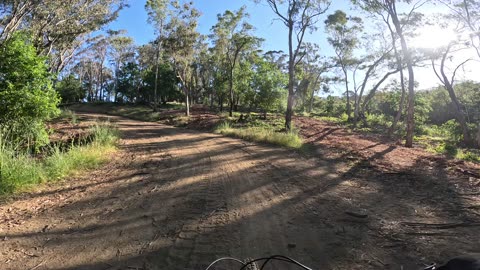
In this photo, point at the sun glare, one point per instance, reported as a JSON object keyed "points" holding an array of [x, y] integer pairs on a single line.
{"points": [[431, 37]]}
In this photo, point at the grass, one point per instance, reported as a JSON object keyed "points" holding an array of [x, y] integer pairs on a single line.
{"points": [[451, 150], [19, 170], [68, 115], [261, 134]]}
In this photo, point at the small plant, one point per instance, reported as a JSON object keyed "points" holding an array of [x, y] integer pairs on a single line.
{"points": [[69, 115], [105, 134]]}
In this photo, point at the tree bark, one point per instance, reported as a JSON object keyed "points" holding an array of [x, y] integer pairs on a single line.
{"points": [[349, 109], [230, 86], [411, 76], [478, 136], [291, 78], [155, 99], [392, 128]]}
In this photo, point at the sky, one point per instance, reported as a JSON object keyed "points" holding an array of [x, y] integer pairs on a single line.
{"points": [[134, 20]]}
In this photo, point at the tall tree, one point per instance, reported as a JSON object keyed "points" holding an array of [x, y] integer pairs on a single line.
{"points": [[343, 32], [180, 40], [388, 9], [299, 16], [448, 82], [121, 51], [157, 15], [232, 37]]}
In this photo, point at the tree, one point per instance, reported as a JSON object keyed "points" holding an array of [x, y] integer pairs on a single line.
{"points": [[232, 37], [121, 51], [343, 32], [448, 82], [59, 28], [269, 84], [157, 15], [27, 98], [129, 82], [388, 10], [180, 41], [70, 89], [300, 16]]}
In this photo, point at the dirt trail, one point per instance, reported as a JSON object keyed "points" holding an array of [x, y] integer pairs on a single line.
{"points": [[178, 199]]}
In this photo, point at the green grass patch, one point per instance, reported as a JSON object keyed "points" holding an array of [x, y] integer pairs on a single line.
{"points": [[261, 134], [19, 170], [342, 119], [448, 148]]}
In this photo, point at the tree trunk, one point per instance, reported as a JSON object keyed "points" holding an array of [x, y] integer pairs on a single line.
{"points": [[230, 85], [291, 78], [411, 77], [289, 113], [155, 99], [372, 92], [187, 104], [392, 128], [349, 109], [467, 139], [478, 136], [310, 106], [220, 102]]}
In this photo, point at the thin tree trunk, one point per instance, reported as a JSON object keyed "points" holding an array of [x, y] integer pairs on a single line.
{"points": [[291, 78], [478, 136], [230, 85], [349, 109], [411, 76], [310, 106], [155, 98], [392, 128]]}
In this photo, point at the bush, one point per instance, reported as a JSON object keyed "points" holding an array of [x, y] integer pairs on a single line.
{"points": [[27, 98]]}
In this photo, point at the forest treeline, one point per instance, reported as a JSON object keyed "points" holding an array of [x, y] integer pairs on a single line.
{"points": [[54, 52]]}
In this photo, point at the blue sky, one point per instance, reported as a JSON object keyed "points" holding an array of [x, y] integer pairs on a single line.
{"points": [[134, 20]]}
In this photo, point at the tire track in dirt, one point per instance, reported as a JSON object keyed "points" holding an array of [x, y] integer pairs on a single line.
{"points": [[178, 199]]}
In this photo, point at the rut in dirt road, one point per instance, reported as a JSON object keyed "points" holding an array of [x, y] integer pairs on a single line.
{"points": [[178, 199]]}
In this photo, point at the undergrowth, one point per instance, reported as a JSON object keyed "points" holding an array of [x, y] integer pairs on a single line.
{"points": [[261, 134], [20, 170]]}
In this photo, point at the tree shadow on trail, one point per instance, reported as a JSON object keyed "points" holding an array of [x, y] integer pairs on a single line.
{"points": [[185, 198]]}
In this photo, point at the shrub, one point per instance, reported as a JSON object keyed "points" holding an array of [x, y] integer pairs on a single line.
{"points": [[27, 98]]}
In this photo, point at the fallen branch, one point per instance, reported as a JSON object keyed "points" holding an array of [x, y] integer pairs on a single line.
{"points": [[440, 226], [357, 215], [38, 265]]}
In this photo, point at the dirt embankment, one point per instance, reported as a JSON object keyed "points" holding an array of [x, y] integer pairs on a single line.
{"points": [[177, 199]]}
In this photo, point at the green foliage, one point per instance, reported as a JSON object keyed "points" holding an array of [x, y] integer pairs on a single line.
{"points": [[19, 169], [70, 89], [381, 121], [269, 86], [27, 98], [129, 82], [167, 85]]}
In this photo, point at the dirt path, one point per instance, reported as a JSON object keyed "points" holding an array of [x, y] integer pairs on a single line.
{"points": [[178, 199]]}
